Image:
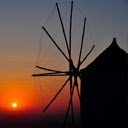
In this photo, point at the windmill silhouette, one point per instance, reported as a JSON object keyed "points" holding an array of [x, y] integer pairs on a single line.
{"points": [[74, 71]]}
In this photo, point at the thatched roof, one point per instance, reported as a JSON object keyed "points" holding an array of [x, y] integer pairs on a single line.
{"points": [[112, 59]]}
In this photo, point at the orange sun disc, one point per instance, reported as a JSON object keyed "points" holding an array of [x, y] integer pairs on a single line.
{"points": [[14, 105]]}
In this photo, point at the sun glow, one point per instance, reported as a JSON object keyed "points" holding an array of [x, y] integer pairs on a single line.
{"points": [[14, 105]]}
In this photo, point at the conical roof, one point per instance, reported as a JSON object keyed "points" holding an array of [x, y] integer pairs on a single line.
{"points": [[112, 59]]}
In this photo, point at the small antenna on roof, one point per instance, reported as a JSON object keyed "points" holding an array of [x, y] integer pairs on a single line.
{"points": [[114, 39]]}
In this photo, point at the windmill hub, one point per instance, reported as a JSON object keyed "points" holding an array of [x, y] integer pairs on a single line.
{"points": [[75, 72]]}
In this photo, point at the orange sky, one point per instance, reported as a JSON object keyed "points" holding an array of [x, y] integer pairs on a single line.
{"points": [[26, 92], [20, 91]]}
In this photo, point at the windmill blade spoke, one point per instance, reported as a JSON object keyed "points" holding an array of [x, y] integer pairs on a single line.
{"points": [[81, 47], [50, 74], [66, 116], [71, 101], [70, 64], [76, 85], [78, 92], [62, 25], [72, 109], [55, 43], [87, 54], [52, 70], [56, 95], [70, 30], [69, 105]]}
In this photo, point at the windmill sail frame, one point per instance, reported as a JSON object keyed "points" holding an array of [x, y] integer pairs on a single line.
{"points": [[73, 72]]}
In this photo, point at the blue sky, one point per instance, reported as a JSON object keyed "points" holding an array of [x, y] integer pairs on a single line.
{"points": [[22, 20]]}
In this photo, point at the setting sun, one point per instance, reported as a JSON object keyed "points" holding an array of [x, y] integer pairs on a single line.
{"points": [[14, 105]]}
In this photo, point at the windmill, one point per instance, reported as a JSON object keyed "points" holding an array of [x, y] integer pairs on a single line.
{"points": [[74, 71]]}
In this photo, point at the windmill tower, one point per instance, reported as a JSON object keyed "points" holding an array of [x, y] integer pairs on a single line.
{"points": [[74, 70]]}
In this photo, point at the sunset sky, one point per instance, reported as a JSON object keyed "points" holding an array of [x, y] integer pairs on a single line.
{"points": [[20, 28]]}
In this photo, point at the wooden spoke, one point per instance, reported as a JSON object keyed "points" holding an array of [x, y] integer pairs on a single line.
{"points": [[87, 54], [55, 43], [62, 27], [52, 70], [50, 74], [82, 40], [56, 95]]}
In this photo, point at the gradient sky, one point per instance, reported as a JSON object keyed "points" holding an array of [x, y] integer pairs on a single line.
{"points": [[20, 28]]}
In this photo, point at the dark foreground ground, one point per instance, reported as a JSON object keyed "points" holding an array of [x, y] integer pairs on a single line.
{"points": [[35, 122]]}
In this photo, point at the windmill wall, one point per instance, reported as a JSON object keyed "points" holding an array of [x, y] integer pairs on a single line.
{"points": [[104, 90]]}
